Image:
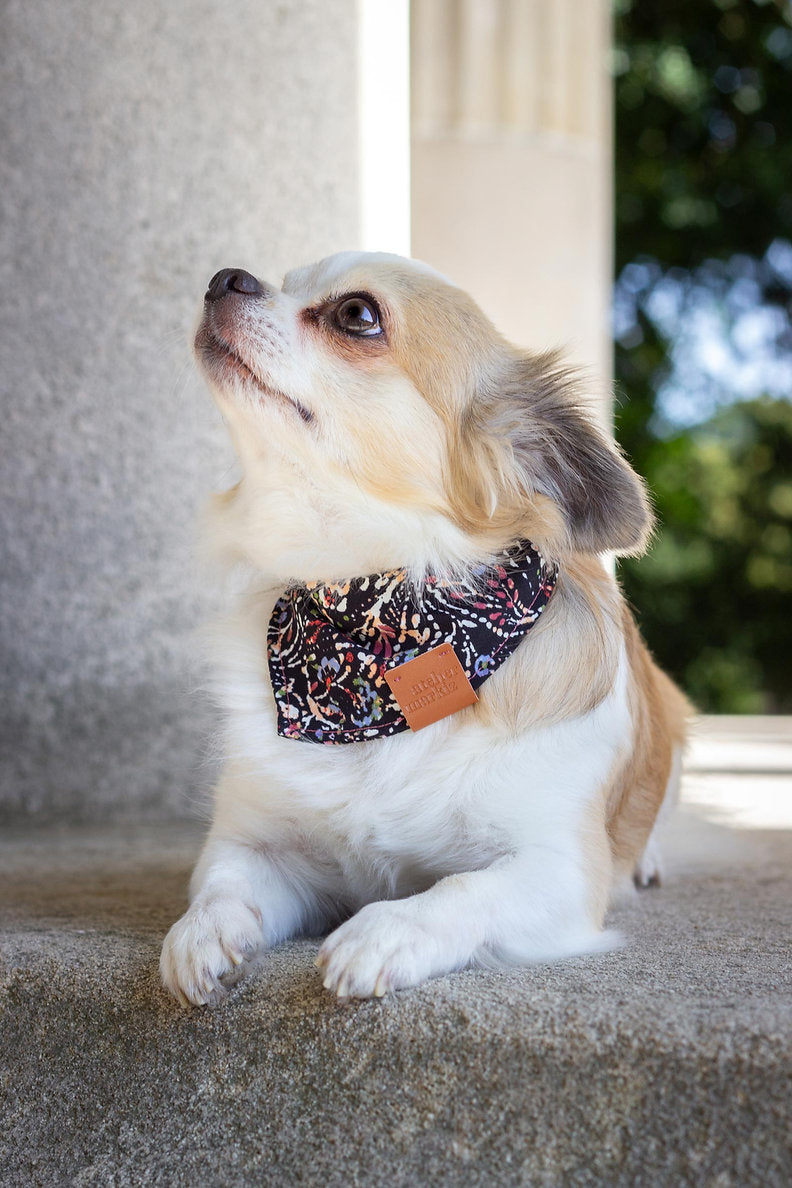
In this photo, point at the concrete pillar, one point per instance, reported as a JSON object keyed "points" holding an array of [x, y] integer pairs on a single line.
{"points": [[511, 170], [145, 145]]}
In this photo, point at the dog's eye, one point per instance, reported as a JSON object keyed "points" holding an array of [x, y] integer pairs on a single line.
{"points": [[357, 315]]}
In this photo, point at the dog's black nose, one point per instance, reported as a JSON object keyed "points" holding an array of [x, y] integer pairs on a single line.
{"points": [[233, 280]]}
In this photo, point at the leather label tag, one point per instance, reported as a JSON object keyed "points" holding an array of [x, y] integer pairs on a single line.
{"points": [[430, 687]]}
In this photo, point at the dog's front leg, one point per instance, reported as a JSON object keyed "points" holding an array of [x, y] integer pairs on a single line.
{"points": [[241, 901], [524, 908]]}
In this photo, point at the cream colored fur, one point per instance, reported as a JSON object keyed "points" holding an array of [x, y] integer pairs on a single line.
{"points": [[493, 836]]}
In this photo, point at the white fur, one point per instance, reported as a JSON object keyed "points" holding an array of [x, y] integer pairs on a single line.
{"points": [[424, 851]]}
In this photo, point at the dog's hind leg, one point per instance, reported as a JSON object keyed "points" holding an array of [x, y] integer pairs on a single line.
{"points": [[649, 867]]}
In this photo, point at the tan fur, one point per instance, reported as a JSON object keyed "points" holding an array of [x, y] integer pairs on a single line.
{"points": [[570, 663], [599, 862], [660, 713]]}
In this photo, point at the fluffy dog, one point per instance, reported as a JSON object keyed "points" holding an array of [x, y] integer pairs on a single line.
{"points": [[396, 452]]}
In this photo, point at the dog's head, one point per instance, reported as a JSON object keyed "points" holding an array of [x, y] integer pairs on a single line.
{"points": [[382, 421]]}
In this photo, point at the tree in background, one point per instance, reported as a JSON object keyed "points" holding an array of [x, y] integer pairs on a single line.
{"points": [[703, 326]]}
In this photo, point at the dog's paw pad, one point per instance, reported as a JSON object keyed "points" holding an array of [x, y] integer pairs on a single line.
{"points": [[645, 880]]}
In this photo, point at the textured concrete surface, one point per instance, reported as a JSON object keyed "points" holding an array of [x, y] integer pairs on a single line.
{"points": [[668, 1062], [144, 146]]}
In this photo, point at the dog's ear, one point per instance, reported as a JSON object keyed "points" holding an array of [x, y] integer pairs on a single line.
{"points": [[559, 452]]}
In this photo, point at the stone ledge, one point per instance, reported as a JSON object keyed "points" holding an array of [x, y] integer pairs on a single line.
{"points": [[666, 1062]]}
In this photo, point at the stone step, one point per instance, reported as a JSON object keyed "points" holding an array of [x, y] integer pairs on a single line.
{"points": [[741, 743], [666, 1062]]}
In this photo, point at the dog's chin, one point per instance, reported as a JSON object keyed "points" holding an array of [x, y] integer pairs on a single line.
{"points": [[227, 370]]}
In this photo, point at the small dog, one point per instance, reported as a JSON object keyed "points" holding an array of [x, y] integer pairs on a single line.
{"points": [[416, 491]]}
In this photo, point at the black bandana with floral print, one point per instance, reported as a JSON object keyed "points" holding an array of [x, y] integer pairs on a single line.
{"points": [[330, 643]]}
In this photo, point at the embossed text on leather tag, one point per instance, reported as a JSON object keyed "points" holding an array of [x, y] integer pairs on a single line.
{"points": [[430, 687]]}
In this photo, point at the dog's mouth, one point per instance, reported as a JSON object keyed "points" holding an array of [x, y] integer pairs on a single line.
{"points": [[215, 352]]}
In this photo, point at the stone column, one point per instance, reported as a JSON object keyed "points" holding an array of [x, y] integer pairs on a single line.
{"points": [[511, 171], [144, 146]]}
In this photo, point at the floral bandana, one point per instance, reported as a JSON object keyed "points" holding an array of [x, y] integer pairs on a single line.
{"points": [[329, 643]]}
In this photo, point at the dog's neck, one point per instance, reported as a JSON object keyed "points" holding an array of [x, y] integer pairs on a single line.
{"points": [[279, 521], [333, 646]]}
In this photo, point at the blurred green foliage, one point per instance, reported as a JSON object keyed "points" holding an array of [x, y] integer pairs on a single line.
{"points": [[704, 207], [715, 591], [704, 128]]}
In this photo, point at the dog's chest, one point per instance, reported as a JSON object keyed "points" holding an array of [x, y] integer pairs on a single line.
{"points": [[398, 811], [401, 811]]}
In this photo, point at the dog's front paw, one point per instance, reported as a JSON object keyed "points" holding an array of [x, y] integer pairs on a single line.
{"points": [[209, 942], [381, 948]]}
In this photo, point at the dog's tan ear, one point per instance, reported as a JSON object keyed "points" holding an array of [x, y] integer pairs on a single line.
{"points": [[559, 452]]}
